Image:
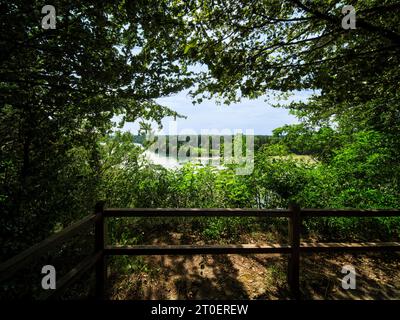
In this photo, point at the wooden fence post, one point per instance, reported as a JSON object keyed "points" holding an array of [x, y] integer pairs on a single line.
{"points": [[294, 259], [101, 268]]}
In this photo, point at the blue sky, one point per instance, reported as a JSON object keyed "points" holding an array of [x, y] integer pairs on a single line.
{"points": [[257, 115]]}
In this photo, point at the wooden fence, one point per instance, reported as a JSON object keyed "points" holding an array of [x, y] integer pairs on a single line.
{"points": [[293, 248]]}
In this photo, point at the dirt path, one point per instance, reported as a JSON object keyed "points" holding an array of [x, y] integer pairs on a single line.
{"points": [[257, 277]]}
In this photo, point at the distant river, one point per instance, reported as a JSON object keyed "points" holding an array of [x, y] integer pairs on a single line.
{"points": [[173, 163]]}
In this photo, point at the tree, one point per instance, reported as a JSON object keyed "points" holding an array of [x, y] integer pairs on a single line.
{"points": [[59, 91], [302, 139], [254, 47]]}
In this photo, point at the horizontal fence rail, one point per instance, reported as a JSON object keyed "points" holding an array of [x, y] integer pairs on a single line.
{"points": [[222, 212], [293, 248], [348, 247], [179, 212], [11, 266], [72, 276], [195, 249], [371, 213]]}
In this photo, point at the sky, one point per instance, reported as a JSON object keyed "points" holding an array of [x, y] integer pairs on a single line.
{"points": [[257, 115]]}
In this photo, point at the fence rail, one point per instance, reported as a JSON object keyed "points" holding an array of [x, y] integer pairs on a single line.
{"points": [[293, 248], [11, 266]]}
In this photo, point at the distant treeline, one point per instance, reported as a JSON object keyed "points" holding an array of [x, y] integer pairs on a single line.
{"points": [[259, 140]]}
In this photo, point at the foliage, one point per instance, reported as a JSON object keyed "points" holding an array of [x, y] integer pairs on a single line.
{"points": [[59, 92], [254, 47], [352, 178], [301, 139]]}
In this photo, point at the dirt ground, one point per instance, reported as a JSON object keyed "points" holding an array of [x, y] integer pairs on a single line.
{"points": [[257, 277]]}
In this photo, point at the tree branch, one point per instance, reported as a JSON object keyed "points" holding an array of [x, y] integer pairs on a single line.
{"points": [[393, 36]]}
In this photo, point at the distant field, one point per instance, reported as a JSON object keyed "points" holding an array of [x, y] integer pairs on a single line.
{"points": [[205, 152], [300, 157]]}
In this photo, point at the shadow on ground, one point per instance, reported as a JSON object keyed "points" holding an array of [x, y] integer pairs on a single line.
{"points": [[255, 276]]}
